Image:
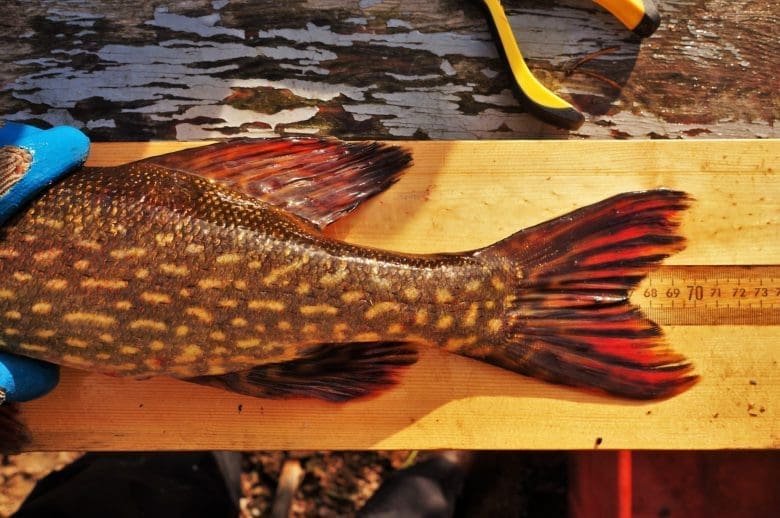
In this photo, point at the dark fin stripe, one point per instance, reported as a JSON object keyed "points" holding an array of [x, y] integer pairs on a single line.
{"points": [[613, 274], [572, 321], [13, 433], [317, 179], [561, 365], [604, 317], [649, 244], [605, 216], [632, 352], [558, 299], [329, 372]]}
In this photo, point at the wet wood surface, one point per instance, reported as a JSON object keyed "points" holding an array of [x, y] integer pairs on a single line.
{"points": [[389, 69], [461, 195]]}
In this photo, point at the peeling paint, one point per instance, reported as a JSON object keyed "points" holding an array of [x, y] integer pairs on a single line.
{"points": [[202, 26], [164, 69]]}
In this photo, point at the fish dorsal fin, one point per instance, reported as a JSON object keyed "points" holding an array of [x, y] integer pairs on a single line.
{"points": [[331, 372], [320, 180]]}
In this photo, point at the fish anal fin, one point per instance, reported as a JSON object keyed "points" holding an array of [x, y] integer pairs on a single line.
{"points": [[320, 180], [328, 371]]}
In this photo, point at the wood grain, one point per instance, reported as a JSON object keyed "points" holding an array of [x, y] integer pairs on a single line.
{"points": [[460, 195]]}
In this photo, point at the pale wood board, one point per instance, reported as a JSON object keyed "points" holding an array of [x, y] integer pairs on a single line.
{"points": [[460, 195]]}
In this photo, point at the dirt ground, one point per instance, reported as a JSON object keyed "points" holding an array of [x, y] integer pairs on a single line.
{"points": [[512, 484], [19, 473]]}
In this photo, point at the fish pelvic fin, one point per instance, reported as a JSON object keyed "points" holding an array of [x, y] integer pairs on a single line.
{"points": [[571, 320], [319, 180], [332, 372], [13, 433]]}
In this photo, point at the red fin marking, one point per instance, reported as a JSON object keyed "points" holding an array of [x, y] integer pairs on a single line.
{"points": [[561, 365], [571, 321], [320, 180]]}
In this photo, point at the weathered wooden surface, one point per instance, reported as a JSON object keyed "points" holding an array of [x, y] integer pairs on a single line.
{"points": [[382, 68], [460, 195]]}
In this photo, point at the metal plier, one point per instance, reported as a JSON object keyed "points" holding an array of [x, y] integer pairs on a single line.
{"points": [[640, 16]]}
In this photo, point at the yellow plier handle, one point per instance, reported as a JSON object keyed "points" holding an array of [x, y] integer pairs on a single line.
{"points": [[640, 16]]}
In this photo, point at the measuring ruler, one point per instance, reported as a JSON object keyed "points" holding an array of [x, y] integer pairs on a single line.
{"points": [[711, 295]]}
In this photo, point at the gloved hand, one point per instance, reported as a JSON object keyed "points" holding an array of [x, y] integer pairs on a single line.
{"points": [[23, 379], [42, 156]]}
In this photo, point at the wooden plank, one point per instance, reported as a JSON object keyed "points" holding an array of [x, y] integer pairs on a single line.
{"points": [[384, 69], [460, 195]]}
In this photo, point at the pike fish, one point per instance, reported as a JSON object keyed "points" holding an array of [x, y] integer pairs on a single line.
{"points": [[211, 265]]}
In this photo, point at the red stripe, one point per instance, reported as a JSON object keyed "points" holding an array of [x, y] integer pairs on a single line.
{"points": [[628, 253], [625, 483], [616, 237]]}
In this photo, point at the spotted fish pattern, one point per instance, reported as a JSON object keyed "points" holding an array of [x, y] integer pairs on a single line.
{"points": [[194, 266]]}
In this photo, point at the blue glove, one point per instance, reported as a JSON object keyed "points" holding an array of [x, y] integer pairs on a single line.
{"points": [[54, 153], [23, 379]]}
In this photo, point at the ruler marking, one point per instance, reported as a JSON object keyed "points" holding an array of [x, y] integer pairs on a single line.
{"points": [[711, 295]]}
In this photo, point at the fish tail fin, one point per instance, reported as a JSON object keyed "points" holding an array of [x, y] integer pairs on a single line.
{"points": [[13, 433], [571, 320]]}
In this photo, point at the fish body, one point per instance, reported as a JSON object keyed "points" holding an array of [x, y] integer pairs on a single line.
{"points": [[150, 272], [157, 268]]}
